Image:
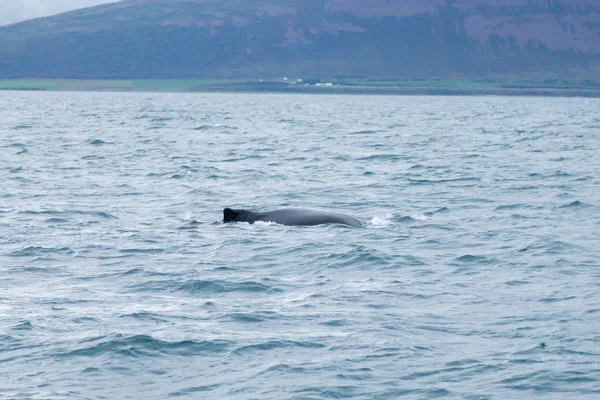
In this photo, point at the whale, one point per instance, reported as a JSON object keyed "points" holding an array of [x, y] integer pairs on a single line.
{"points": [[290, 216]]}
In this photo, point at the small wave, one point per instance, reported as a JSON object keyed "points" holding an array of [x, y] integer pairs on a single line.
{"points": [[334, 322], [583, 179], [202, 287], [335, 392], [359, 256], [509, 206], [245, 317], [219, 286], [283, 368], [557, 299], [469, 258], [101, 214], [34, 251], [408, 260], [244, 158], [382, 157], [17, 145], [574, 204], [144, 316], [98, 142], [546, 381], [205, 127], [191, 225], [278, 344], [142, 251], [560, 174], [438, 211], [145, 345], [436, 181], [365, 132], [418, 166], [157, 174], [474, 155], [551, 247], [6, 343], [523, 188], [23, 326], [21, 179], [517, 283], [54, 271], [196, 389], [133, 271], [56, 220]]}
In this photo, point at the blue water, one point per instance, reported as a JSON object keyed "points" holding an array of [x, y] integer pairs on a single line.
{"points": [[477, 276]]}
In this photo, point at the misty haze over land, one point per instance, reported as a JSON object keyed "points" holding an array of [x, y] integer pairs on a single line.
{"points": [[12, 11]]}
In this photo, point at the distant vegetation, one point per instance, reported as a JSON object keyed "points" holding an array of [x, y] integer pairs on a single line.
{"points": [[378, 43]]}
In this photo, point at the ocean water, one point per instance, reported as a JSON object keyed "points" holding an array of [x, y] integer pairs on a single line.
{"points": [[477, 275]]}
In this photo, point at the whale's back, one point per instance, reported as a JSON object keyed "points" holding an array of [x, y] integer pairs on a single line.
{"points": [[306, 216]]}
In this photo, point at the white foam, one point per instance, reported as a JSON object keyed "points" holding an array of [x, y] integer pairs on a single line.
{"points": [[267, 223], [378, 222], [420, 217]]}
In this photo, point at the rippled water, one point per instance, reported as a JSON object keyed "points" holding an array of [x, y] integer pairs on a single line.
{"points": [[477, 276]]}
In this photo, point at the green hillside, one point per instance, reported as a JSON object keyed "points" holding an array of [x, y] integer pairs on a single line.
{"points": [[327, 39]]}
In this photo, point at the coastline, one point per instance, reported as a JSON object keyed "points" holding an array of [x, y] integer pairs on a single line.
{"points": [[423, 88]]}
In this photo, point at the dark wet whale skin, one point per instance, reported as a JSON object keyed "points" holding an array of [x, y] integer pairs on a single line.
{"points": [[290, 216]]}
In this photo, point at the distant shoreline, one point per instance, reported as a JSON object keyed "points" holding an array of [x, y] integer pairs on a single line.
{"points": [[357, 87]]}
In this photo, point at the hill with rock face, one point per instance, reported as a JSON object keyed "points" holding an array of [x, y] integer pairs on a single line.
{"points": [[378, 39]]}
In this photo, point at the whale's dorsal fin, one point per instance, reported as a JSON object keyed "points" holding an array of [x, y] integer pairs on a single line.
{"points": [[229, 215]]}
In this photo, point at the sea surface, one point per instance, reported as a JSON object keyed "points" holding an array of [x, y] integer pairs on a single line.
{"points": [[477, 275]]}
